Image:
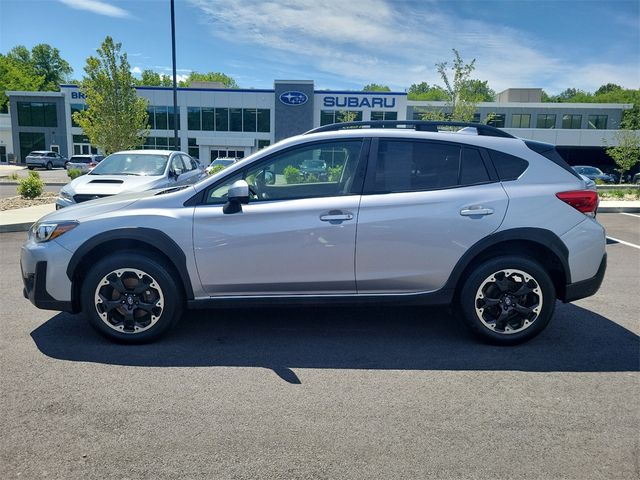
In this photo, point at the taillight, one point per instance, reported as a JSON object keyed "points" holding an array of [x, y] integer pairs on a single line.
{"points": [[92, 164], [585, 201]]}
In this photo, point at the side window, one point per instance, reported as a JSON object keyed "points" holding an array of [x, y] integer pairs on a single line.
{"points": [[176, 164], [51, 154], [319, 170], [187, 163], [472, 168], [508, 166], [405, 166]]}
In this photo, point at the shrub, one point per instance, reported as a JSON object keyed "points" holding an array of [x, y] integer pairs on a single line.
{"points": [[215, 169], [74, 173], [292, 174], [334, 173], [312, 178], [13, 176], [599, 181], [31, 187], [618, 194]]}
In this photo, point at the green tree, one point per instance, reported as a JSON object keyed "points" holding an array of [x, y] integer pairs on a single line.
{"points": [[16, 75], [45, 61], [608, 88], [149, 78], [48, 62], [347, 116], [461, 99], [424, 91], [479, 91], [375, 87], [116, 118], [627, 153], [209, 77]]}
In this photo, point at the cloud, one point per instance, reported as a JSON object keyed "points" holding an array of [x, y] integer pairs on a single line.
{"points": [[97, 6], [399, 43], [136, 70]]}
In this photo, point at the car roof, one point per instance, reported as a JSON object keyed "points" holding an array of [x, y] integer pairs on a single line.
{"points": [[151, 152], [42, 151]]}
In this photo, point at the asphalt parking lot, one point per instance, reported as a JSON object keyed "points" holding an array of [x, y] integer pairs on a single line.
{"points": [[326, 393]]}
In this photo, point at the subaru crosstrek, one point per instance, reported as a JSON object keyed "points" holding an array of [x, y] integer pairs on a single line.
{"points": [[415, 212]]}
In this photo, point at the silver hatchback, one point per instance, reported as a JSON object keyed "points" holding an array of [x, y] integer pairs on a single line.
{"points": [[132, 171], [414, 212]]}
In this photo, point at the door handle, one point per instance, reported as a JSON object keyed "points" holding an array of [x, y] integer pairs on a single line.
{"points": [[467, 212], [336, 216]]}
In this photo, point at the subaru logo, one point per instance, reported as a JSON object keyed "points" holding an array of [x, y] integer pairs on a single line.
{"points": [[293, 98]]}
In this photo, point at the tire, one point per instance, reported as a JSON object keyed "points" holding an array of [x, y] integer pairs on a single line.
{"points": [[49, 165], [65, 165], [31, 168], [111, 303], [507, 300]]}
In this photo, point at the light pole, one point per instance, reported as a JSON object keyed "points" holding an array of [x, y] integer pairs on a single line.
{"points": [[175, 86]]}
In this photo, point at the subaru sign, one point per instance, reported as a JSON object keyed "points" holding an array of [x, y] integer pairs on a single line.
{"points": [[293, 98], [77, 95], [360, 102]]}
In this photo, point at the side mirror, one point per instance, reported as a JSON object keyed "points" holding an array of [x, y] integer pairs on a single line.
{"points": [[176, 172], [269, 178], [238, 194]]}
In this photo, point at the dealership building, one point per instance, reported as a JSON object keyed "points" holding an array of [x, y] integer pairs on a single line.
{"points": [[218, 122]]}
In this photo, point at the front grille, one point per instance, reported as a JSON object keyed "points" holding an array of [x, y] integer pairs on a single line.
{"points": [[85, 197]]}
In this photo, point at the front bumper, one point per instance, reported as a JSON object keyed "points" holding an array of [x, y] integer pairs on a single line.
{"points": [[588, 287], [43, 268]]}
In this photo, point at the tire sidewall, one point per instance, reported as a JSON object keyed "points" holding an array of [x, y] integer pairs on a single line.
{"points": [[481, 272], [173, 300]]}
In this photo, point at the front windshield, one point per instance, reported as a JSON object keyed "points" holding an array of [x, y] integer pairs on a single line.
{"points": [[132, 164]]}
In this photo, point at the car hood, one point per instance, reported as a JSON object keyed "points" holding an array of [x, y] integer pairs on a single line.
{"points": [[113, 184]]}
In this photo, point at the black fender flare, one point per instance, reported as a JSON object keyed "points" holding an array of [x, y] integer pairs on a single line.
{"points": [[156, 238], [545, 238]]}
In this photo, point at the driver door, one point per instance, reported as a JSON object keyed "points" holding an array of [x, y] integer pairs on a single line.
{"points": [[297, 233]]}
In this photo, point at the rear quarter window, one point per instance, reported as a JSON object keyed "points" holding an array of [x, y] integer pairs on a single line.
{"points": [[509, 167]]}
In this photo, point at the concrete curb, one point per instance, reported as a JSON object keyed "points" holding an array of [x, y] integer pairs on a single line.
{"points": [[16, 227], [48, 184], [618, 209]]}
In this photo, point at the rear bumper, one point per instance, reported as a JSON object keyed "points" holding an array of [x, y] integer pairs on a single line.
{"points": [[588, 287]]}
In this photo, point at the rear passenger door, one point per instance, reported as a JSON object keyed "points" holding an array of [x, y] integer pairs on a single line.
{"points": [[424, 204]]}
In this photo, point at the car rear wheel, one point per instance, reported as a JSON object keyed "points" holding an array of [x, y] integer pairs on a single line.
{"points": [[508, 300], [131, 298], [49, 165]]}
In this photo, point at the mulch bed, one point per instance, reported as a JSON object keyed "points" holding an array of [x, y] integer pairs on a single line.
{"points": [[18, 202]]}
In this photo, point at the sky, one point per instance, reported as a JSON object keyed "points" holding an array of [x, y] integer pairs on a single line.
{"points": [[346, 44]]}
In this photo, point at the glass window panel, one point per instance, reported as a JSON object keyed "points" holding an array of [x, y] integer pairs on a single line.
{"points": [[172, 118], [571, 121], [193, 118], [263, 143], [235, 119], [264, 120], [208, 119], [222, 119], [327, 117], [520, 120], [249, 118], [161, 118], [598, 122], [475, 119], [472, 168], [161, 142], [24, 114], [50, 115], [377, 116], [546, 121], [30, 141], [497, 120], [405, 166], [152, 119], [391, 115]]}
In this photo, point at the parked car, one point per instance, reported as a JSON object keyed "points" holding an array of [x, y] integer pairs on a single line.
{"points": [[317, 168], [498, 226], [221, 162], [45, 159], [84, 163], [594, 173], [636, 179], [132, 171]]}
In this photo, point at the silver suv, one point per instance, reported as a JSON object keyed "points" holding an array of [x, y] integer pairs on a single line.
{"points": [[45, 159], [498, 226]]}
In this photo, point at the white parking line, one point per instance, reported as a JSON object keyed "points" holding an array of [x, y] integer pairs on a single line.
{"points": [[630, 214], [624, 243]]}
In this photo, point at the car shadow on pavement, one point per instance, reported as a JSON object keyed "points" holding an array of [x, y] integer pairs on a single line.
{"points": [[404, 338]]}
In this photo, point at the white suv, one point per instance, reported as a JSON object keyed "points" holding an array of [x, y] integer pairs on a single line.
{"points": [[498, 226]]}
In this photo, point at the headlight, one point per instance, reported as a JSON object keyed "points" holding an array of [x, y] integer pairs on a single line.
{"points": [[43, 232], [65, 195]]}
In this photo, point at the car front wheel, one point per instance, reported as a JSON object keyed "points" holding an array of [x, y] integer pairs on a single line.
{"points": [[131, 298], [508, 300], [49, 165]]}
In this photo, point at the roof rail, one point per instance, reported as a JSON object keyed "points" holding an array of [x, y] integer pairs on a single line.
{"points": [[419, 125]]}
